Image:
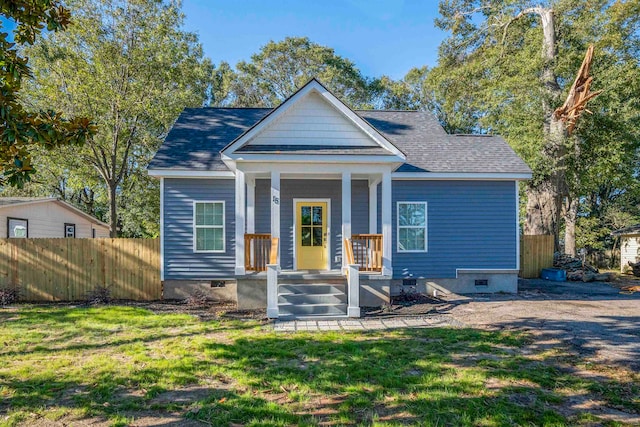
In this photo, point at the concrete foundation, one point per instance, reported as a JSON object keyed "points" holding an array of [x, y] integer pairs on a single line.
{"points": [[374, 293], [467, 282], [252, 294], [217, 290]]}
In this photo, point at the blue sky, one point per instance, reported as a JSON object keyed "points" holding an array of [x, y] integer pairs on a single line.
{"points": [[382, 37]]}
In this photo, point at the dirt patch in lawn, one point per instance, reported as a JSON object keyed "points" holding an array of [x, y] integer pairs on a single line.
{"points": [[204, 312], [413, 304]]}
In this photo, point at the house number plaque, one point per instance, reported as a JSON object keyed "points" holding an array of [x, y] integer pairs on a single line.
{"points": [[276, 200]]}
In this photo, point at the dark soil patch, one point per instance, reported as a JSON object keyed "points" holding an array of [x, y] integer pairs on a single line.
{"points": [[409, 304], [208, 311]]}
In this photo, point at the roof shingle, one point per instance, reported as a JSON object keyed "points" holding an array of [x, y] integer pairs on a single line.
{"points": [[199, 134]]}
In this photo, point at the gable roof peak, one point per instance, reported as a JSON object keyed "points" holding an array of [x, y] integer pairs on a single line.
{"points": [[313, 85]]}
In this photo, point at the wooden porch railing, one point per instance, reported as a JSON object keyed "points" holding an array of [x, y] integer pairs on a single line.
{"points": [[273, 256], [348, 247], [258, 251], [367, 251]]}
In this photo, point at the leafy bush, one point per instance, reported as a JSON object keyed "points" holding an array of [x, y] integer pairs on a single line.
{"points": [[99, 295], [9, 295]]}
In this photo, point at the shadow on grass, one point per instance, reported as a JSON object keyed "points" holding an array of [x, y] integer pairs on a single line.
{"points": [[244, 376]]}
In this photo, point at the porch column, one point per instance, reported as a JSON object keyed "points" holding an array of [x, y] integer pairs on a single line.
{"points": [[275, 207], [346, 213], [387, 269], [251, 204], [373, 205], [240, 221]]}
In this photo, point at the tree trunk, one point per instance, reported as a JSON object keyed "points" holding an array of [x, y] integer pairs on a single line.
{"points": [[570, 218], [113, 209], [544, 196]]}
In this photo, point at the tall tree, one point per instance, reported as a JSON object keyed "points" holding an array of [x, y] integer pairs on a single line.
{"points": [[516, 61], [131, 66], [279, 68], [21, 131]]}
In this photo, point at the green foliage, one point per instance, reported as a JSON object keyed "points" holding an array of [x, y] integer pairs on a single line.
{"points": [[280, 68], [490, 70], [22, 130], [131, 66]]}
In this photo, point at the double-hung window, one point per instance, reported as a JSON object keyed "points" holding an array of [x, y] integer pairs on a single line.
{"points": [[208, 226], [412, 227]]}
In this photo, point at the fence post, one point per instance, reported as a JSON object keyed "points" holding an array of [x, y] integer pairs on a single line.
{"points": [[272, 291], [353, 283]]}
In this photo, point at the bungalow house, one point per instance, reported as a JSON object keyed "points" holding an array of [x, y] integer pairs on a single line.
{"points": [[312, 208], [46, 217]]}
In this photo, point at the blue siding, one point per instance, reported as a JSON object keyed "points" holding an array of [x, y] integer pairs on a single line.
{"points": [[471, 224], [309, 189], [180, 262]]}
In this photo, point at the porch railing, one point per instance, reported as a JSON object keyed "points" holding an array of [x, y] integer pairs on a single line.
{"points": [[258, 251], [367, 251]]}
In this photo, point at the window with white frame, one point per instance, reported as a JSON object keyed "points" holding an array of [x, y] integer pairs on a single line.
{"points": [[412, 226], [208, 226]]}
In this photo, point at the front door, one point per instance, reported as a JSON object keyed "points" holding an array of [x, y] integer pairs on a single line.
{"points": [[311, 236]]}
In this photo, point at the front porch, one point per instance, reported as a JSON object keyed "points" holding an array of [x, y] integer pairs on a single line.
{"points": [[313, 228]]}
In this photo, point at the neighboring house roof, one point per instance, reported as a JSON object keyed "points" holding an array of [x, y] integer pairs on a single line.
{"points": [[20, 201], [634, 229], [200, 134]]}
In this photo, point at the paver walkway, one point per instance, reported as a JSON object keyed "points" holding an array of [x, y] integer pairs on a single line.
{"points": [[367, 324]]}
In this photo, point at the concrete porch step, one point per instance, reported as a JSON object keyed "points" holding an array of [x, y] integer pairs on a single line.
{"points": [[312, 310], [316, 298], [312, 289]]}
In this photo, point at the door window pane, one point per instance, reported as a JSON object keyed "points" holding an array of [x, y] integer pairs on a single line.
{"points": [[317, 215], [317, 236], [305, 215], [306, 236]]}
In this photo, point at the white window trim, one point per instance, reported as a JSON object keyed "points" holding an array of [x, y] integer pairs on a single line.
{"points": [[224, 226], [398, 227]]}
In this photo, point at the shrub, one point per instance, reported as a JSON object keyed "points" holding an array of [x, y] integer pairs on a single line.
{"points": [[99, 295], [9, 295]]}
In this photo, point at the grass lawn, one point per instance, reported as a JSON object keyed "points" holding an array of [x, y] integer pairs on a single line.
{"points": [[121, 365]]}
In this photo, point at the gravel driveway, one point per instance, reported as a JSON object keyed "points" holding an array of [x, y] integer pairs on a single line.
{"points": [[595, 319]]}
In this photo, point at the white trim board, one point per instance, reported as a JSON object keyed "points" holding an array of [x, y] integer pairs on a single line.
{"points": [[295, 225], [184, 173], [161, 229], [338, 164], [462, 176]]}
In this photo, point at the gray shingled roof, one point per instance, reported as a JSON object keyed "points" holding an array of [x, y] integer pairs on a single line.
{"points": [[634, 229], [195, 141], [8, 201]]}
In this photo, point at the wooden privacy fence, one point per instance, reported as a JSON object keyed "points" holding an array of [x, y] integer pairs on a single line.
{"points": [[536, 253], [68, 269]]}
